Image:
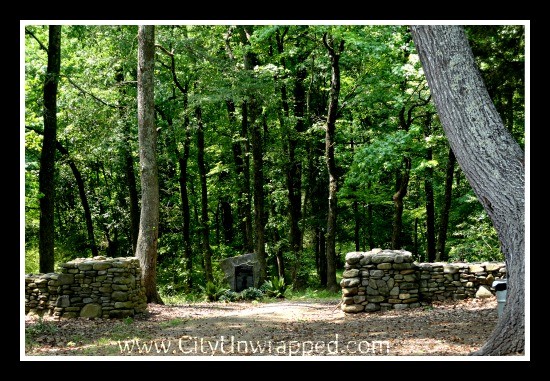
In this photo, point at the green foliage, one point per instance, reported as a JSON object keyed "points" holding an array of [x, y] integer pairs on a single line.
{"points": [[229, 296], [212, 291], [311, 293], [475, 240], [274, 287], [41, 328], [381, 81], [252, 293]]}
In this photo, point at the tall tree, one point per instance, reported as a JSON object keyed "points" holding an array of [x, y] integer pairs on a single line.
{"points": [[147, 242], [492, 161], [334, 54], [205, 227], [47, 159]]}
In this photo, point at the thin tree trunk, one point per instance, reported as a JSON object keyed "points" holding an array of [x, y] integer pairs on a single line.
{"points": [[258, 175], [205, 229], [402, 186], [238, 159], [245, 192], [440, 254], [332, 285], [429, 189], [129, 174], [370, 232], [491, 159], [81, 192], [46, 177], [83, 199], [146, 250]]}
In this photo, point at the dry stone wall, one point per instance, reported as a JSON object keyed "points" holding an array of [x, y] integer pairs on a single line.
{"points": [[96, 287], [390, 279]]}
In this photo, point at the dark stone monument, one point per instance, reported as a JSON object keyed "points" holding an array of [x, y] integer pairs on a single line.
{"points": [[241, 272]]}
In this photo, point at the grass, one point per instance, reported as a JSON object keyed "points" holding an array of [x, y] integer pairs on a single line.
{"points": [[172, 323]]}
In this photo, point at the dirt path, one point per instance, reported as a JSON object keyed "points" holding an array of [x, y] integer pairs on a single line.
{"points": [[283, 328]]}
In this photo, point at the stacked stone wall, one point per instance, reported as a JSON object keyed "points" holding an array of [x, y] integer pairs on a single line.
{"points": [[88, 287], [390, 279]]}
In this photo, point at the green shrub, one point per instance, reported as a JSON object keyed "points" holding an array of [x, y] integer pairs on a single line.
{"points": [[213, 291], [229, 296], [252, 293], [275, 287]]}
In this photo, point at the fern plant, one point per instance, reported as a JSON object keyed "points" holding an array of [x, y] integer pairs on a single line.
{"points": [[275, 287], [212, 291]]}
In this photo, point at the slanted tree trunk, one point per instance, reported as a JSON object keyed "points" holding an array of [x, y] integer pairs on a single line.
{"points": [[83, 199], [490, 158], [440, 254], [330, 161], [81, 192], [46, 177], [146, 250]]}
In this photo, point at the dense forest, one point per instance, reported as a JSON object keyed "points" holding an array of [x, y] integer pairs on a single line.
{"points": [[298, 142]]}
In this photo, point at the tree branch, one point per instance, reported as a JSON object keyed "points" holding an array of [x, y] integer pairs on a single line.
{"points": [[90, 94], [30, 33]]}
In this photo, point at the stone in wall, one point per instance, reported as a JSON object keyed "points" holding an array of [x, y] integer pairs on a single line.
{"points": [[389, 279], [96, 287]]}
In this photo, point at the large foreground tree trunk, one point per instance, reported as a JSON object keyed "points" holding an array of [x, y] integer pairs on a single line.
{"points": [[146, 250], [47, 157], [491, 159]]}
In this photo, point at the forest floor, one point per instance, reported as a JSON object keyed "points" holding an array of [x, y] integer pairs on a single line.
{"points": [[274, 328]]}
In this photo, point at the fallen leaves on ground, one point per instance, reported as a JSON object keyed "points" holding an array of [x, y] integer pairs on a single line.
{"points": [[282, 328]]}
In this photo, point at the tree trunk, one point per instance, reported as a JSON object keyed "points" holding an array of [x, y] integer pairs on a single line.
{"points": [[330, 161], [491, 160], [238, 159], [294, 165], [440, 254], [205, 229], [258, 175], [146, 250], [402, 185], [245, 190], [429, 189], [129, 174], [83, 199], [370, 232], [46, 177]]}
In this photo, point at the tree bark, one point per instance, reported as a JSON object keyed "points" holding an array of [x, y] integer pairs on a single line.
{"points": [[205, 228], [46, 177], [491, 159], [146, 250], [440, 254], [330, 161]]}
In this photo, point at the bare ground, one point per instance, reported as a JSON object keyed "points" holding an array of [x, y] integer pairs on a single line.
{"points": [[282, 328]]}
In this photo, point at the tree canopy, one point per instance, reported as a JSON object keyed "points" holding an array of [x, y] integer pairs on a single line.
{"points": [[240, 117]]}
